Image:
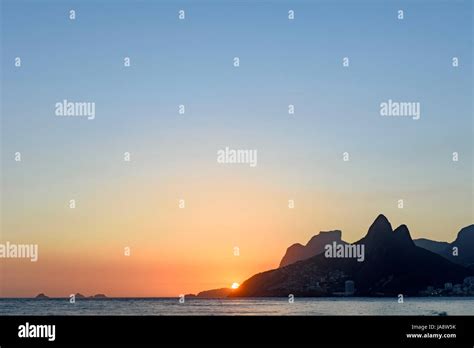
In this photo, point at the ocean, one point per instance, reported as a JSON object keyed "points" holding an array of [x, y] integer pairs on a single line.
{"points": [[241, 306]]}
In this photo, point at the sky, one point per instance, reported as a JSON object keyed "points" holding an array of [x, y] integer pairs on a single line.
{"points": [[300, 157]]}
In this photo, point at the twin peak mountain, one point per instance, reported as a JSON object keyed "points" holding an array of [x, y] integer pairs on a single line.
{"points": [[380, 234], [394, 263]]}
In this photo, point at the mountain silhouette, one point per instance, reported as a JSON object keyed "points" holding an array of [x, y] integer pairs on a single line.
{"points": [[393, 265], [315, 246], [464, 243], [215, 293], [432, 245]]}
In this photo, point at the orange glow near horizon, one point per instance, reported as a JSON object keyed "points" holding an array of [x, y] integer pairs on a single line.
{"points": [[173, 250]]}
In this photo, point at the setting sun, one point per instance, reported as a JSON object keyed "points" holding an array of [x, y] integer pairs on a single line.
{"points": [[235, 285]]}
